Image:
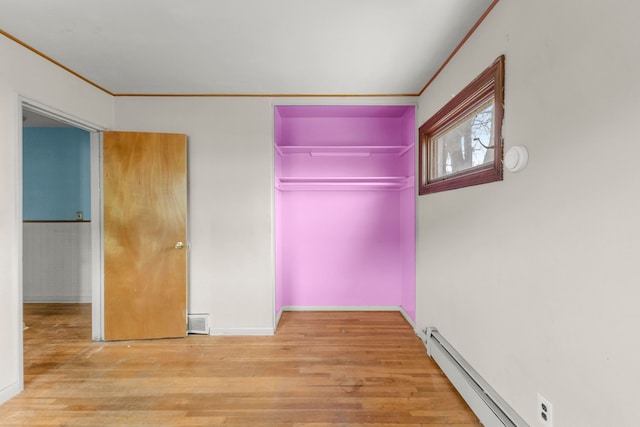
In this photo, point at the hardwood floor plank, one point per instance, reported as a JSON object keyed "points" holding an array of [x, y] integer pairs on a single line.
{"points": [[319, 369]]}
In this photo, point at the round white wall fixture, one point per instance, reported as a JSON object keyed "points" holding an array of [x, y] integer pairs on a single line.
{"points": [[516, 158]]}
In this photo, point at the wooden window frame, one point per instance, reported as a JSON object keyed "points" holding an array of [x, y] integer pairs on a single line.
{"points": [[489, 84]]}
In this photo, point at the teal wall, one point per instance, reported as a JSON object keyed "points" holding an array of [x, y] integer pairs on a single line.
{"points": [[56, 173]]}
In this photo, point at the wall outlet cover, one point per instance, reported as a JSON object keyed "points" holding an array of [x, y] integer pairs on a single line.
{"points": [[544, 411]]}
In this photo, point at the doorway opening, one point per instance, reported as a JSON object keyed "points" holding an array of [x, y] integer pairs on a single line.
{"points": [[58, 181], [56, 211]]}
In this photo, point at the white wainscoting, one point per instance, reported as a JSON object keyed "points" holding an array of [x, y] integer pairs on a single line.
{"points": [[57, 262]]}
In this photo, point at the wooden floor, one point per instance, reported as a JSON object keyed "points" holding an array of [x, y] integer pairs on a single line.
{"points": [[320, 369]]}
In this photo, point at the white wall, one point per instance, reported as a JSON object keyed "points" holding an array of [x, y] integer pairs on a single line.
{"points": [[56, 262], [230, 198], [230, 151], [534, 279], [25, 74]]}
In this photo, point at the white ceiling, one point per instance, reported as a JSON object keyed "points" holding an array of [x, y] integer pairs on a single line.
{"points": [[321, 47]]}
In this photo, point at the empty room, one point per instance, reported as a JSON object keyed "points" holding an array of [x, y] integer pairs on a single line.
{"points": [[315, 213]]}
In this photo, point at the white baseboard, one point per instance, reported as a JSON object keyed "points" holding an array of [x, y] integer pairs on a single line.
{"points": [[341, 308], [408, 318], [241, 331], [9, 392]]}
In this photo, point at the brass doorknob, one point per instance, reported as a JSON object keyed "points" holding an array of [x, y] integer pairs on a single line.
{"points": [[179, 245]]}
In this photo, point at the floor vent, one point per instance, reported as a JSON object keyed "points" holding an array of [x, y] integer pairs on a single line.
{"points": [[198, 324], [488, 406]]}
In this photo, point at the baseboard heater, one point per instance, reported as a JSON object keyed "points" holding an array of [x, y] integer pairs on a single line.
{"points": [[489, 407]]}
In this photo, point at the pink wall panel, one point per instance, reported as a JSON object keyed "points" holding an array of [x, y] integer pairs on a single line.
{"points": [[335, 125], [408, 250], [408, 222], [341, 248], [342, 130], [278, 222]]}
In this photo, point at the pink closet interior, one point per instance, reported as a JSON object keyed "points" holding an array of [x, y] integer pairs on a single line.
{"points": [[345, 207]]}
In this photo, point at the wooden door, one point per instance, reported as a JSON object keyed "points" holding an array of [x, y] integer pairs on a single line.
{"points": [[145, 232]]}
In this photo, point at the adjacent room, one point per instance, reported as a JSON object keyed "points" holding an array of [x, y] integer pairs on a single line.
{"points": [[329, 212], [56, 212]]}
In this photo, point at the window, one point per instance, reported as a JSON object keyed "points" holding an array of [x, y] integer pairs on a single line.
{"points": [[461, 145]]}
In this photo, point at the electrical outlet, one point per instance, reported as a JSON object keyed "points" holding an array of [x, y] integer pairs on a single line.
{"points": [[79, 215], [545, 411]]}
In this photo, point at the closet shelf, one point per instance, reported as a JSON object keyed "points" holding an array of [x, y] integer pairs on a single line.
{"points": [[343, 150], [344, 183]]}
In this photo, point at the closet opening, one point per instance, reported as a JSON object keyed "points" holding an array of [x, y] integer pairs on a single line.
{"points": [[345, 208]]}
